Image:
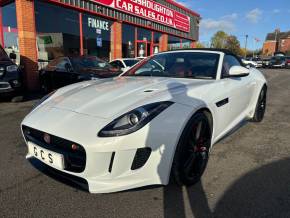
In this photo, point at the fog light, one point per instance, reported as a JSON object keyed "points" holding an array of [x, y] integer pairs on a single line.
{"points": [[16, 83]]}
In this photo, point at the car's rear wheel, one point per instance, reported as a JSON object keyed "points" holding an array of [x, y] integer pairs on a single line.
{"points": [[261, 105], [192, 152]]}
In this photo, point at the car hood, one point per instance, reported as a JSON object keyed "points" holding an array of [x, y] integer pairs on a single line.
{"points": [[107, 98]]}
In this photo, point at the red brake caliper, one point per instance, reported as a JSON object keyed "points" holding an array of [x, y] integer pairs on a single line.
{"points": [[200, 147]]}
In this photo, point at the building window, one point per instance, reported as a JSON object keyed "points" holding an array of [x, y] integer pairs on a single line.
{"points": [[143, 42], [128, 41], [186, 43], [156, 42], [173, 43], [96, 36], [58, 32], [10, 32]]}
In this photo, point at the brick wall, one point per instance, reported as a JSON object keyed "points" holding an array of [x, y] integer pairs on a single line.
{"points": [[269, 48], [163, 43], [284, 45], [193, 44], [27, 42], [116, 40]]}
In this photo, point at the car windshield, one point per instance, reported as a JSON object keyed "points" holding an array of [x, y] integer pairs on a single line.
{"points": [[131, 62], [278, 58], [3, 55], [195, 65], [89, 63]]}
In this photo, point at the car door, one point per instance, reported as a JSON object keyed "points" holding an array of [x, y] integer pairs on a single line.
{"points": [[62, 76], [238, 90]]}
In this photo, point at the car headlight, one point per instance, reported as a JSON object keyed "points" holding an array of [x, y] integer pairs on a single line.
{"points": [[134, 120], [11, 68], [43, 99]]}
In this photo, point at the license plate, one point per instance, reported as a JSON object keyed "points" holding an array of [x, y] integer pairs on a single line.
{"points": [[46, 156]]}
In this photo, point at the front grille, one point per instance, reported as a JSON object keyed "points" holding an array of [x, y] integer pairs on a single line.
{"points": [[4, 85], [75, 159], [141, 157]]}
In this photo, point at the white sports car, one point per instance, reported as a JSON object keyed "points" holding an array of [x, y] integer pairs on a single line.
{"points": [[158, 120]]}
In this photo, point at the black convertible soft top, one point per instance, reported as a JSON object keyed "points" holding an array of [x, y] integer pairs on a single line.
{"points": [[226, 51]]}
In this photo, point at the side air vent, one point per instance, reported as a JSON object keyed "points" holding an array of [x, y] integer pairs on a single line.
{"points": [[141, 157]]}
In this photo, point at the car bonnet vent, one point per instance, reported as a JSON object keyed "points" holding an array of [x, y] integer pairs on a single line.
{"points": [[150, 90]]}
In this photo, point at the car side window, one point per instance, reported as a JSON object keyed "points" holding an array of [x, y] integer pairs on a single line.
{"points": [[114, 64], [121, 64], [229, 61], [117, 64]]}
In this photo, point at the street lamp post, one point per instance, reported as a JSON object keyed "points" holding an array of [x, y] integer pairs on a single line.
{"points": [[246, 43]]}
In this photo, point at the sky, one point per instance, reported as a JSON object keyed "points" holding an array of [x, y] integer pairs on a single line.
{"points": [[255, 18]]}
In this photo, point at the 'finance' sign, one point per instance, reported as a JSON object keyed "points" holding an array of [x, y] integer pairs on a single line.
{"points": [[98, 24]]}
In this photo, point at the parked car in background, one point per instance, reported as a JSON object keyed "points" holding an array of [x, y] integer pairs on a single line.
{"points": [[125, 63], [266, 62], [278, 62], [250, 63], [67, 70], [10, 75], [258, 60], [288, 62]]}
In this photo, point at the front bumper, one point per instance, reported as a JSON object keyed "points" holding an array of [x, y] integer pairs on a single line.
{"points": [[7, 88], [109, 164]]}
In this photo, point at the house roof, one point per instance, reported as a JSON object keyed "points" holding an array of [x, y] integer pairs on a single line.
{"points": [[280, 35]]}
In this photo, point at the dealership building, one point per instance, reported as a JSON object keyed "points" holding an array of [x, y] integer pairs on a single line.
{"points": [[41, 30]]}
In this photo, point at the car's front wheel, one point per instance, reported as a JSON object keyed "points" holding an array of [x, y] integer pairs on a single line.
{"points": [[261, 105], [192, 152]]}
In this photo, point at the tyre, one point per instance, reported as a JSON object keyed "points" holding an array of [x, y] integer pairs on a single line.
{"points": [[17, 99], [261, 106], [192, 152]]}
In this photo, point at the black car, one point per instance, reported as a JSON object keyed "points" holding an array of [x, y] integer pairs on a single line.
{"points": [[67, 70], [266, 62], [278, 62], [10, 75]]}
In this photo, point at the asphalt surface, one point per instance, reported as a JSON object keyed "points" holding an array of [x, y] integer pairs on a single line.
{"points": [[248, 174]]}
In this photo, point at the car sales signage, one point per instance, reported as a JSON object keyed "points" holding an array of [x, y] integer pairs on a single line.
{"points": [[151, 10]]}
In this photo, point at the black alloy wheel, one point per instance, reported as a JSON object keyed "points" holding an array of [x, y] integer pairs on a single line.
{"points": [[261, 105], [192, 152]]}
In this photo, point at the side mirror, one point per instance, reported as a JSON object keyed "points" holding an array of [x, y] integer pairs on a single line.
{"points": [[12, 56], [239, 71]]}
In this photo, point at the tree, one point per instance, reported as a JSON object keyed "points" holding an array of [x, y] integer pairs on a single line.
{"points": [[199, 45], [219, 40], [243, 52], [233, 44]]}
